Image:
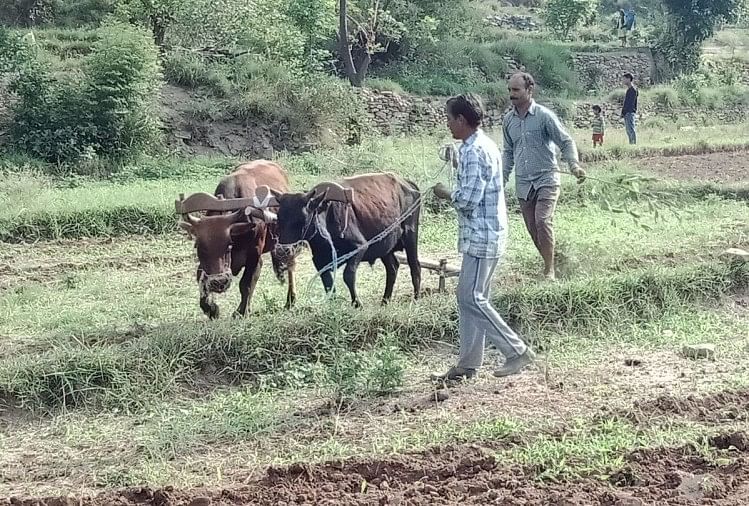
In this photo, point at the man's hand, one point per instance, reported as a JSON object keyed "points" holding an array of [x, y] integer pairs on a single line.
{"points": [[579, 173], [441, 191]]}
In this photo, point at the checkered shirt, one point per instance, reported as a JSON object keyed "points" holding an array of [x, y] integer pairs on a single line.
{"points": [[479, 198], [529, 148]]}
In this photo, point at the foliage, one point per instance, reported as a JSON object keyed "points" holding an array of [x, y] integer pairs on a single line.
{"points": [[563, 16], [158, 15], [688, 25], [104, 110]]}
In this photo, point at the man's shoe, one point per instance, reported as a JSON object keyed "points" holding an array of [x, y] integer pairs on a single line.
{"points": [[454, 374], [516, 364]]}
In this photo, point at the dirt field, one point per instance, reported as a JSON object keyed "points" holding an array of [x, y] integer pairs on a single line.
{"points": [[727, 167], [470, 475]]}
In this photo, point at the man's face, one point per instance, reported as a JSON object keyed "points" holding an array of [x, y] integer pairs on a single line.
{"points": [[519, 94], [456, 124], [627, 81]]}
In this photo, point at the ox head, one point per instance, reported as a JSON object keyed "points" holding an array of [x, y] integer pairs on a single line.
{"points": [[214, 238], [296, 216]]}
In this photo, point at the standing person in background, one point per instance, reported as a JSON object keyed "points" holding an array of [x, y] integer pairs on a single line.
{"points": [[599, 126], [629, 109], [621, 27], [530, 133], [479, 200]]}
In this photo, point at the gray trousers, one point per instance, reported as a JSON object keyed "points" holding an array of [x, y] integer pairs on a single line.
{"points": [[478, 318], [630, 121]]}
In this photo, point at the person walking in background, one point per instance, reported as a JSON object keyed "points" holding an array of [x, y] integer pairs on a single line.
{"points": [[629, 109], [599, 126], [621, 27], [530, 131], [479, 200]]}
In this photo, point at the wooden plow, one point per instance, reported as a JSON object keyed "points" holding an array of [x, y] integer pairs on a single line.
{"points": [[441, 267]]}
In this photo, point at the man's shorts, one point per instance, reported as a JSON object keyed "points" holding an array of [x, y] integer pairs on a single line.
{"points": [[598, 138]]}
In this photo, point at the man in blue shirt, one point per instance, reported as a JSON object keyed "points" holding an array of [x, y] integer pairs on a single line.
{"points": [[482, 217], [629, 109], [530, 133]]}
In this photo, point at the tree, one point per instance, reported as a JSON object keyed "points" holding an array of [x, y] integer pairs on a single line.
{"points": [[373, 23], [688, 25], [563, 16]]}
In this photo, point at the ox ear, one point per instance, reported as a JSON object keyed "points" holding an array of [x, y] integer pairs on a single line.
{"points": [[187, 227], [314, 202], [241, 228]]}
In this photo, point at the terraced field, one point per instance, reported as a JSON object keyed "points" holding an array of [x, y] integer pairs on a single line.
{"points": [[115, 389]]}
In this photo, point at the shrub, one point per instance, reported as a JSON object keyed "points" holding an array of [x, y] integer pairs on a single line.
{"points": [[563, 16], [104, 110], [665, 96], [191, 70], [384, 85]]}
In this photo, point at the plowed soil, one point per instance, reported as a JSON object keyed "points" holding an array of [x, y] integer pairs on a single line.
{"points": [[727, 167], [469, 475]]}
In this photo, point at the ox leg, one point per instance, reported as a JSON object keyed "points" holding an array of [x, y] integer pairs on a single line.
{"points": [[327, 276], [410, 244], [349, 277], [291, 293], [247, 284], [391, 272]]}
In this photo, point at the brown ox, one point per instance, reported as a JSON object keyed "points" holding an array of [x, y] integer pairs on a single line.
{"points": [[228, 243]]}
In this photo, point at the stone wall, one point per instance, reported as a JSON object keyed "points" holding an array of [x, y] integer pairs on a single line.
{"points": [[603, 71], [392, 114]]}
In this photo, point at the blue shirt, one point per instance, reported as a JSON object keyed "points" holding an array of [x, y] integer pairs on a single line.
{"points": [[529, 148], [479, 198]]}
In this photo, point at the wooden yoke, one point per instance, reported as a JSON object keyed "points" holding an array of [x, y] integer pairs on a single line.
{"points": [[334, 191], [202, 201]]}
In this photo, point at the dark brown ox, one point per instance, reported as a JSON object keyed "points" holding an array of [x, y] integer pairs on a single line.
{"points": [[228, 243], [379, 200]]}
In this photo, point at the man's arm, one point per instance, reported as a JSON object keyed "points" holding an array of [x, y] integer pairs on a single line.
{"points": [[471, 183], [508, 153], [561, 138]]}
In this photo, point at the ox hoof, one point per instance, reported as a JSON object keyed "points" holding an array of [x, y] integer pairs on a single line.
{"points": [[239, 314]]}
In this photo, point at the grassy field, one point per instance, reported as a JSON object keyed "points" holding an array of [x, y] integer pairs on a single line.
{"points": [[110, 376]]}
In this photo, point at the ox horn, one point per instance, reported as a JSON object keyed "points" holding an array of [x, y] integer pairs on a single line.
{"points": [[189, 218]]}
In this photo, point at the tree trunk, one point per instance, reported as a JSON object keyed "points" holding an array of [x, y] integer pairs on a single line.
{"points": [[355, 73]]}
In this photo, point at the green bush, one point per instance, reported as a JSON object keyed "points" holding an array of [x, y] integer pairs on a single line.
{"points": [[188, 69], [104, 110], [665, 96]]}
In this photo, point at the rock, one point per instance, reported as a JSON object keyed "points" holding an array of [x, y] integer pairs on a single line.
{"points": [[201, 501], [633, 362], [737, 254], [696, 351], [624, 500]]}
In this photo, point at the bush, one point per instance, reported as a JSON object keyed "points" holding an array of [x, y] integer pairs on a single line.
{"points": [[311, 105], [665, 96], [384, 85], [191, 70], [105, 110], [563, 16]]}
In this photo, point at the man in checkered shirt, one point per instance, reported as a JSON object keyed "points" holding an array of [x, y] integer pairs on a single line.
{"points": [[530, 133], [482, 216]]}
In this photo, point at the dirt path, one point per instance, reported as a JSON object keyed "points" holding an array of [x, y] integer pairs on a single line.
{"points": [[726, 167]]}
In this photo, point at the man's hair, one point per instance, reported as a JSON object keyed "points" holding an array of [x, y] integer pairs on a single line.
{"points": [[469, 106], [527, 78], [597, 108], [629, 76]]}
